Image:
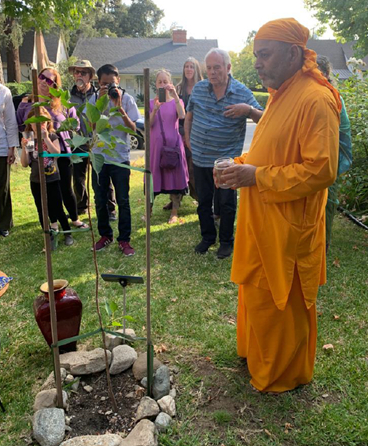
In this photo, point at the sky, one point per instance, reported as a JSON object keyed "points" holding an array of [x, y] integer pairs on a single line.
{"points": [[230, 21]]}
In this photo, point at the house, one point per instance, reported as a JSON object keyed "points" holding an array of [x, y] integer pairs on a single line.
{"points": [[132, 55], [55, 48], [338, 54]]}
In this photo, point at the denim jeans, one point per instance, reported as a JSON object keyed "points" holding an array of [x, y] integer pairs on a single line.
{"points": [[226, 200], [120, 179]]}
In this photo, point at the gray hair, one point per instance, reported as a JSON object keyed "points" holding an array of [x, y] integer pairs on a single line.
{"points": [[224, 54]]}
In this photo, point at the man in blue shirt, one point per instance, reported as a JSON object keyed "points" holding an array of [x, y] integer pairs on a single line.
{"points": [[215, 126], [119, 176]]}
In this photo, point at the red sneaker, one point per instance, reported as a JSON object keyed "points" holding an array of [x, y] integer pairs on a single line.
{"points": [[103, 242], [126, 249]]}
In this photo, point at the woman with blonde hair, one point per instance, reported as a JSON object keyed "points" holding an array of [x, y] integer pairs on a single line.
{"points": [[50, 78], [192, 74], [170, 176]]}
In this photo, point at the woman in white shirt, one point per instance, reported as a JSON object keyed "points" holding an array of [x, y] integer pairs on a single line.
{"points": [[8, 141]]}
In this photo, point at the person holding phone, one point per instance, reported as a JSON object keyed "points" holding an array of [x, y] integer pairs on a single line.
{"points": [[166, 109]]}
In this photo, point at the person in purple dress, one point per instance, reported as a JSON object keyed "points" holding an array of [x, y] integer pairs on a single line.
{"points": [[168, 181], [50, 78]]}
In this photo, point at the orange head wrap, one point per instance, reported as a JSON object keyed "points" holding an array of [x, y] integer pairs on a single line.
{"points": [[291, 31]]}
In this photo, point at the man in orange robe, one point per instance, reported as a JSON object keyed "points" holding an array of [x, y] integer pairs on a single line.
{"points": [[279, 254]]}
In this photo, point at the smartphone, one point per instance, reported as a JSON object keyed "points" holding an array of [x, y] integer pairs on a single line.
{"points": [[123, 279], [162, 95]]}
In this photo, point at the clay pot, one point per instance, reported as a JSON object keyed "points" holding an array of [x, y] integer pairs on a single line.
{"points": [[68, 313]]}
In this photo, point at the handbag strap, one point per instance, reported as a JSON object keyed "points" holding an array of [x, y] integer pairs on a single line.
{"points": [[162, 127]]}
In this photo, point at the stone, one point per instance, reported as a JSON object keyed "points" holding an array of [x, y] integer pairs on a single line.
{"points": [[94, 440], [173, 392], [144, 382], [167, 405], [85, 362], [113, 341], [69, 379], [49, 426], [123, 357], [161, 382], [163, 421], [88, 389], [47, 399], [140, 366], [148, 408], [144, 434], [50, 381]]}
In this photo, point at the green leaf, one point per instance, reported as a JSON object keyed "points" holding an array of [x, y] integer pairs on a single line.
{"points": [[105, 136], [102, 124], [75, 159], [78, 140], [56, 93], [113, 306], [116, 324], [109, 152], [68, 104], [107, 308], [92, 113], [40, 104], [119, 140], [102, 103], [97, 161], [129, 318], [65, 94], [86, 122], [35, 119], [122, 128], [68, 125]]}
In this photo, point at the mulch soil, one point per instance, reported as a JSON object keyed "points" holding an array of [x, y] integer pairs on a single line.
{"points": [[92, 413]]}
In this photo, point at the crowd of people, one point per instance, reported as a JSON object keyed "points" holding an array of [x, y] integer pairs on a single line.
{"points": [[280, 243]]}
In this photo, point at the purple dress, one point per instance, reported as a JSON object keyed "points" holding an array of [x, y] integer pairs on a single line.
{"points": [[173, 181]]}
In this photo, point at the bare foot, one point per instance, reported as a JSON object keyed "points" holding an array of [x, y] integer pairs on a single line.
{"points": [[173, 219]]}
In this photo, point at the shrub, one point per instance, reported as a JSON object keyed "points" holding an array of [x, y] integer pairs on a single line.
{"points": [[19, 88], [261, 98]]}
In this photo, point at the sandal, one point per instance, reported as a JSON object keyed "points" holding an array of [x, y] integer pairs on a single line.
{"points": [[81, 225]]}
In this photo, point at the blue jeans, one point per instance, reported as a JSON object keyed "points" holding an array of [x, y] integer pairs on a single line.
{"points": [[120, 179], [226, 200]]}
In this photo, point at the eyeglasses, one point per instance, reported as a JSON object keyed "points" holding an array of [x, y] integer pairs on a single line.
{"points": [[48, 81], [82, 73]]}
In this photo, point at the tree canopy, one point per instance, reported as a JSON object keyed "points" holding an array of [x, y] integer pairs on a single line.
{"points": [[347, 18]]}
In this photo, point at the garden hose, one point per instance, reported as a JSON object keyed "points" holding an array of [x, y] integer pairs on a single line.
{"points": [[352, 218]]}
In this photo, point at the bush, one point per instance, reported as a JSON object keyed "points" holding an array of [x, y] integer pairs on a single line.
{"points": [[354, 185], [261, 98], [20, 88]]}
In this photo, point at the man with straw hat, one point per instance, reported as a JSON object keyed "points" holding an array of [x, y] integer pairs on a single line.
{"points": [[279, 254]]}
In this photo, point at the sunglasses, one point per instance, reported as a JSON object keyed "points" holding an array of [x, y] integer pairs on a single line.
{"points": [[82, 73], [48, 81]]}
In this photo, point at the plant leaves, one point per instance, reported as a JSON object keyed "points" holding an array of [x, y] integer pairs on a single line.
{"points": [[102, 124], [75, 159], [116, 324], [97, 161], [105, 136], [68, 124], [107, 308], [92, 113], [78, 140], [56, 93], [129, 318], [113, 306], [122, 128], [35, 119], [102, 103], [40, 104]]}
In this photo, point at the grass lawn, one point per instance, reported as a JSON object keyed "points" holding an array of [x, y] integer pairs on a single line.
{"points": [[193, 317]]}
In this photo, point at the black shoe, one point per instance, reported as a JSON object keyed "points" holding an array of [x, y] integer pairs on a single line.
{"points": [[202, 247], [68, 240], [224, 251], [4, 233], [113, 217]]}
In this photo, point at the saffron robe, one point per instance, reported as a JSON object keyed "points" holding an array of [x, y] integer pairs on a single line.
{"points": [[280, 236]]}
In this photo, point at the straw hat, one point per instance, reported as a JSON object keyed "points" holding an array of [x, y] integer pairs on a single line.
{"points": [[86, 64], [4, 282]]}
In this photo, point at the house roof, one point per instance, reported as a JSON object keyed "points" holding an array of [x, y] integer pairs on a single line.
{"points": [[338, 54], [26, 49], [132, 55]]}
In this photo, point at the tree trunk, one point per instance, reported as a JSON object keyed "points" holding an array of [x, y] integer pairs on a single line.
{"points": [[1, 72], [12, 55]]}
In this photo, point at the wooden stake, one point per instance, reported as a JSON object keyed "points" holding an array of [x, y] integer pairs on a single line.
{"points": [[147, 175], [47, 239]]}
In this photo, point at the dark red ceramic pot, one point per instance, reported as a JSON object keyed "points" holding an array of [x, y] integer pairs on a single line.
{"points": [[68, 313]]}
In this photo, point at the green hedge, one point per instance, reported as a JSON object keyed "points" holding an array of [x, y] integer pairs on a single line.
{"points": [[261, 98], [20, 88]]}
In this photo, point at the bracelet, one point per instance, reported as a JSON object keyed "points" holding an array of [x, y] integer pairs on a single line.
{"points": [[250, 111]]}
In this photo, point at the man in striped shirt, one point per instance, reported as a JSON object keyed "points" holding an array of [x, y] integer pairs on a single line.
{"points": [[215, 126]]}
